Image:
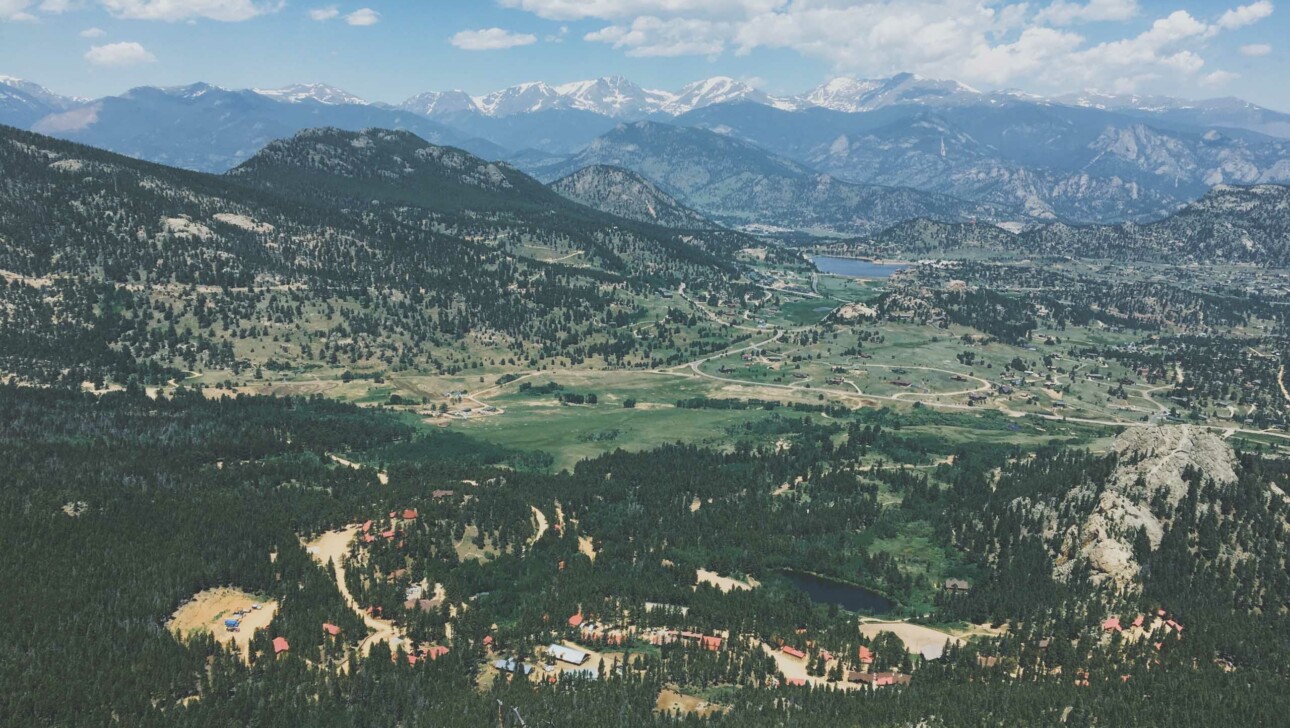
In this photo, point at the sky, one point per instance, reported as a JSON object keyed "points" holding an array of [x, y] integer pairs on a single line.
{"points": [[389, 50]]}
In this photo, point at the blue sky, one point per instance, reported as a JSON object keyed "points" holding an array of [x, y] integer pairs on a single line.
{"points": [[388, 50]]}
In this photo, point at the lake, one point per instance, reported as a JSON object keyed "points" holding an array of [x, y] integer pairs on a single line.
{"points": [[850, 597], [856, 268]]}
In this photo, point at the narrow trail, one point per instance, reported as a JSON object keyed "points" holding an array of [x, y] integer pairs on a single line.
{"points": [[381, 475], [332, 547]]}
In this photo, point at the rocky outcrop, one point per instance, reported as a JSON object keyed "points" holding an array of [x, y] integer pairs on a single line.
{"points": [[1152, 460]]}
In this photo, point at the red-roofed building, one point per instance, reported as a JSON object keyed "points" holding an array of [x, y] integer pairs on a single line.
{"points": [[367, 526], [280, 645], [412, 659], [576, 620], [792, 652], [795, 681], [712, 643], [436, 652], [866, 655], [488, 640], [368, 538], [409, 514], [1139, 620], [331, 629], [388, 535], [828, 656], [1112, 624]]}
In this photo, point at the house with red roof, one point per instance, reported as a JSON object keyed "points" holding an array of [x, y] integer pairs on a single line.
{"points": [[1112, 624], [409, 514], [795, 681], [434, 653], [866, 655], [280, 645], [576, 620], [367, 526], [331, 629], [712, 643], [792, 652], [1139, 620]]}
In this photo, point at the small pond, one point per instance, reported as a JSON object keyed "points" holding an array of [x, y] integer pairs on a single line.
{"points": [[851, 597]]}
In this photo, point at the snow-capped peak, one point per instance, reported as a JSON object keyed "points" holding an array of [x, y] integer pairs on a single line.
{"points": [[40, 93], [319, 92], [853, 95], [521, 99], [612, 96], [432, 103], [716, 90]]}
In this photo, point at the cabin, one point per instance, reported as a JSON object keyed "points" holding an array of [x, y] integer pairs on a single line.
{"points": [[567, 654], [280, 645], [957, 586], [409, 514], [796, 682], [576, 620], [866, 655], [434, 653], [1112, 624], [792, 652], [441, 494], [331, 629], [711, 643]]}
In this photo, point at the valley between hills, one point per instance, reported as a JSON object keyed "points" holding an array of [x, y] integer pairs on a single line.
{"points": [[372, 431]]}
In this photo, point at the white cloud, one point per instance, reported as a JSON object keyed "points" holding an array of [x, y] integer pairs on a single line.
{"points": [[1218, 78], [1245, 15], [1256, 49], [56, 6], [1064, 12], [174, 10], [321, 14], [491, 39], [997, 42], [119, 54], [15, 10], [656, 37], [621, 9], [93, 33], [363, 17]]}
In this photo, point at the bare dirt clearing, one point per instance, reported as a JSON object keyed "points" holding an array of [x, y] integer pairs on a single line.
{"points": [[670, 701], [208, 609], [725, 583], [916, 637]]}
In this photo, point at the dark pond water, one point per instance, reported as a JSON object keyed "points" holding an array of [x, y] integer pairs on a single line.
{"points": [[848, 596], [854, 268]]}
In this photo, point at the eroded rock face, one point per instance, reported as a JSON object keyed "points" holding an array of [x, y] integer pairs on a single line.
{"points": [[1152, 459], [1159, 455]]}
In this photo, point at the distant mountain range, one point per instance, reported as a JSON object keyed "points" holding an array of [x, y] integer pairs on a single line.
{"points": [[990, 155], [742, 185]]}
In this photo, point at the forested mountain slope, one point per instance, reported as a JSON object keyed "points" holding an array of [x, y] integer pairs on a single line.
{"points": [[146, 265], [1229, 224], [467, 196], [626, 194]]}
